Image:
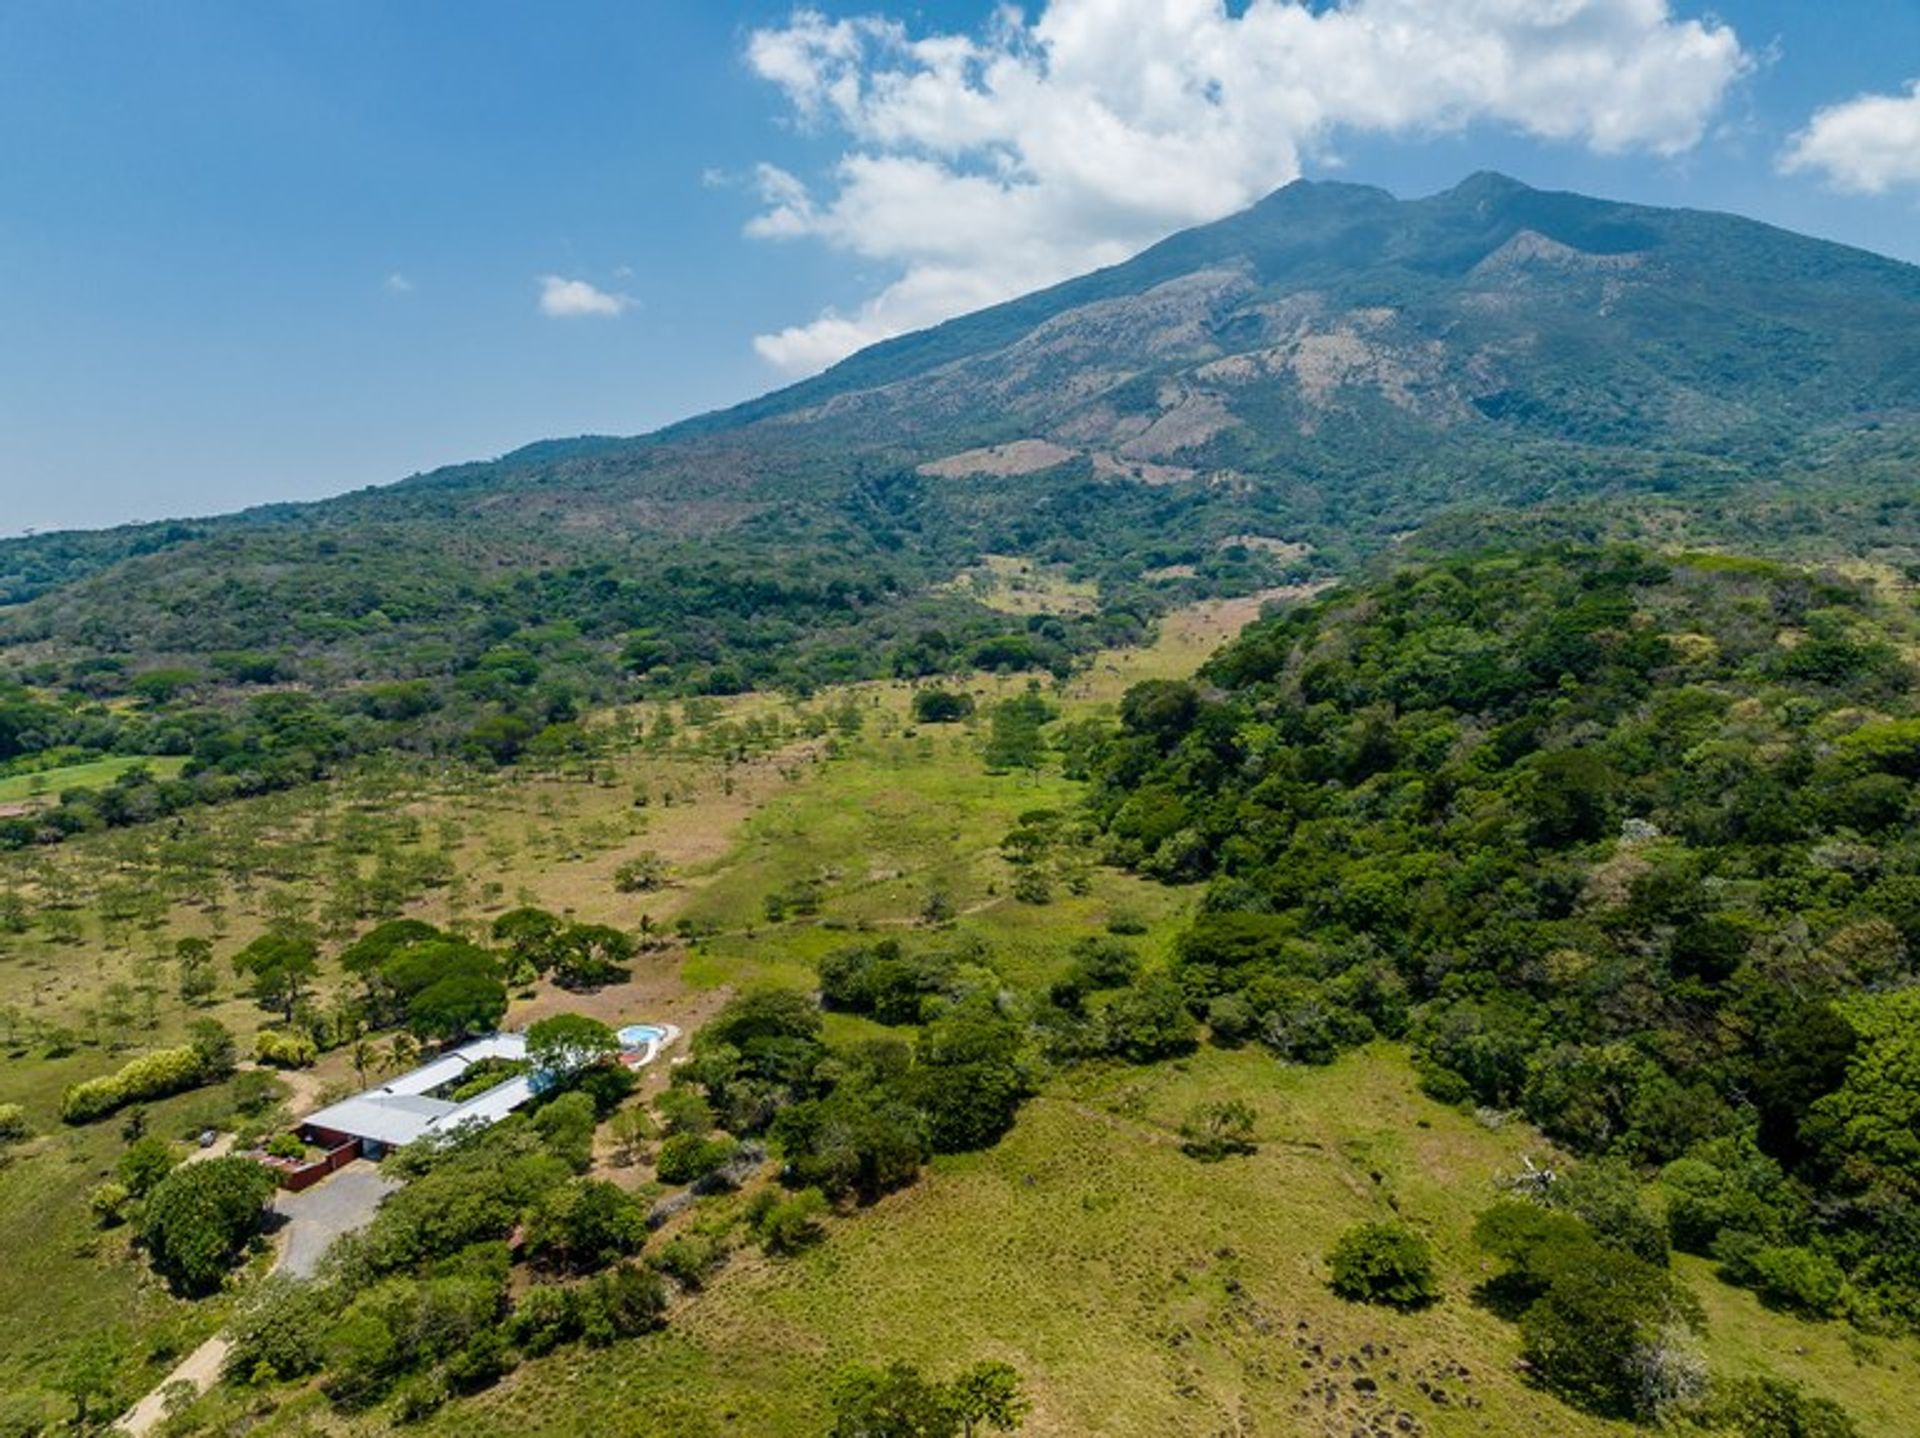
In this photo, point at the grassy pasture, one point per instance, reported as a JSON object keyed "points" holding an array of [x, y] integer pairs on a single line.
{"points": [[1143, 1293], [94, 774]]}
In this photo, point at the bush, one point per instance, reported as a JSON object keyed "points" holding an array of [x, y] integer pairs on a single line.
{"points": [[682, 1110], [544, 1318], [1216, 1130], [1797, 1279], [787, 1223], [584, 1225], [148, 1159], [941, 706], [1775, 1408], [689, 1258], [642, 874], [687, 1157], [1148, 1020], [254, 1092], [1384, 1263], [623, 1302], [278, 1334], [14, 1127], [285, 1050], [108, 1202], [155, 1075]]}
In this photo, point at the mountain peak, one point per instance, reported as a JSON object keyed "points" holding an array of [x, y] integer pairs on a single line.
{"points": [[1488, 184]]}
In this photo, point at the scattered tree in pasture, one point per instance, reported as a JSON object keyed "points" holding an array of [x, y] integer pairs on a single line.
{"points": [[1384, 1263]]}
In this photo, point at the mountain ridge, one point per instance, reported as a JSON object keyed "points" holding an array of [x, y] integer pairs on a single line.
{"points": [[1328, 369]]}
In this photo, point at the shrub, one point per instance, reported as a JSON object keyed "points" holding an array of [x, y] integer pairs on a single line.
{"points": [[214, 1044], [278, 1334], [941, 706], [584, 1225], [689, 1258], [148, 1159], [285, 1050], [1798, 1279], [687, 1157], [682, 1110], [1213, 1131], [108, 1203], [642, 874], [254, 1092], [1148, 1020], [567, 1124], [621, 1303], [1384, 1263], [543, 1319], [14, 1127], [154, 1075], [1775, 1408], [787, 1223]]}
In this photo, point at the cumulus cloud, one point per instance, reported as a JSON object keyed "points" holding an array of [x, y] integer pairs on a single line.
{"points": [[1868, 144], [562, 298], [399, 284], [978, 166]]}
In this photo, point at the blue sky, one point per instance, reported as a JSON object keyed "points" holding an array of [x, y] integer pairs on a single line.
{"points": [[253, 252]]}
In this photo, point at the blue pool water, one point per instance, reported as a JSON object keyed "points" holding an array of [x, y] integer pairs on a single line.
{"points": [[638, 1036]]}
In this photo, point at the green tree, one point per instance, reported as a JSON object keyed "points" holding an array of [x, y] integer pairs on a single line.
{"points": [[1384, 1263], [892, 1402], [1767, 1407], [584, 1225], [281, 968], [564, 1044], [148, 1160], [587, 956], [200, 1217], [941, 706]]}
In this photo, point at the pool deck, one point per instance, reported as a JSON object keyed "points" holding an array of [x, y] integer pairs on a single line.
{"points": [[640, 1057]]}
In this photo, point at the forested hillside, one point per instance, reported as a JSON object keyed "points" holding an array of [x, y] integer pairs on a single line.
{"points": [[1623, 842], [1279, 395]]}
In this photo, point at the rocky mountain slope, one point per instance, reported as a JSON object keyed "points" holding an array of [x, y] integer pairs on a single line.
{"points": [[1332, 366]]}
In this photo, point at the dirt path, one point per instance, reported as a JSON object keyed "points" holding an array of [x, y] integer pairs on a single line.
{"points": [[199, 1368], [343, 1203]]}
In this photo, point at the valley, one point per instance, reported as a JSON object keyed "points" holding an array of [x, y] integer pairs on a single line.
{"points": [[1176, 1294]]}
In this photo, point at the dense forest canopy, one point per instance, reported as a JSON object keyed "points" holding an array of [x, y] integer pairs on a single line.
{"points": [[1626, 842]]}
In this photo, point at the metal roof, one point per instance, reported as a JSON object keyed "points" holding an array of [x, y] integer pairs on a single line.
{"points": [[399, 1112]]}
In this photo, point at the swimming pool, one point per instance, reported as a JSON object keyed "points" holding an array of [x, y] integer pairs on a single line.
{"points": [[638, 1036]]}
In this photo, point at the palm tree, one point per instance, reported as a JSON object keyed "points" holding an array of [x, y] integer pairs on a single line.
{"points": [[403, 1051]]}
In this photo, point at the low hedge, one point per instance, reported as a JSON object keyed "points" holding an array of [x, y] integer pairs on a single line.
{"points": [[285, 1050], [154, 1075]]}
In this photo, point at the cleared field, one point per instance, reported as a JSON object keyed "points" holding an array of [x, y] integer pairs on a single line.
{"points": [[95, 774]]}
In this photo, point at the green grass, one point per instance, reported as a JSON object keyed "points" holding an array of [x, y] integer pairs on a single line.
{"points": [[66, 1282], [95, 774], [1143, 1293]]}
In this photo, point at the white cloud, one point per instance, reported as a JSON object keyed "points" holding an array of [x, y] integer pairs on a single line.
{"points": [[1867, 144], [562, 298], [399, 284], [980, 166]]}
